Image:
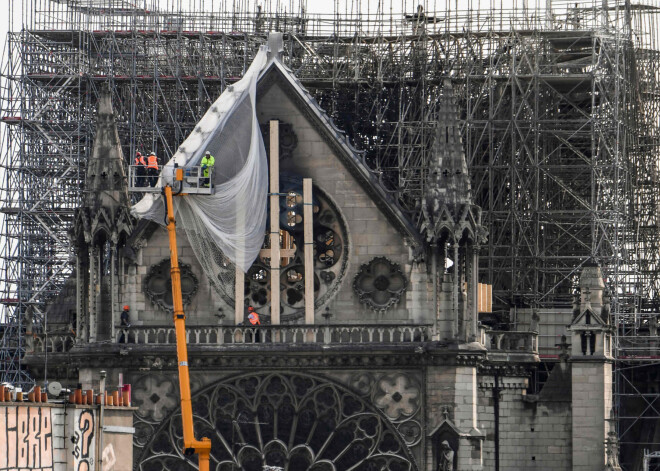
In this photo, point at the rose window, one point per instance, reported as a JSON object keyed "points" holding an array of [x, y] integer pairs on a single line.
{"points": [[293, 421], [330, 254], [379, 284], [158, 284]]}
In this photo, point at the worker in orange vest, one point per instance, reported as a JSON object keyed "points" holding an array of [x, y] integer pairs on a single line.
{"points": [[253, 317], [125, 322], [152, 169], [140, 169]]}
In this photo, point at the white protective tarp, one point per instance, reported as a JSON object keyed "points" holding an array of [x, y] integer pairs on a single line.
{"points": [[233, 219]]}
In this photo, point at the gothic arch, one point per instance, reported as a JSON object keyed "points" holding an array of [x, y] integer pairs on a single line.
{"points": [[293, 420]]}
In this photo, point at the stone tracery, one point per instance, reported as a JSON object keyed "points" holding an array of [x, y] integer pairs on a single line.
{"points": [[291, 420], [330, 254], [379, 284]]}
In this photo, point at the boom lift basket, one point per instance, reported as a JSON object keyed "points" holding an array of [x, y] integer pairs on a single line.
{"points": [[188, 180]]}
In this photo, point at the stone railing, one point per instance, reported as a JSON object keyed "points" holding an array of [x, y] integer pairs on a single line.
{"points": [[54, 343], [511, 341], [283, 334]]}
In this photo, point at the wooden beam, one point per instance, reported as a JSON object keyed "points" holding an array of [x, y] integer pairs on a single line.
{"points": [[274, 222], [239, 311], [309, 250]]}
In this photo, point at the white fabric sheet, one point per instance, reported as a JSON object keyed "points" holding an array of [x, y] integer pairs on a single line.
{"points": [[233, 219]]}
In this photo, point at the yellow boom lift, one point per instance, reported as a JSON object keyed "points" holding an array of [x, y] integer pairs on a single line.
{"points": [[190, 180]]}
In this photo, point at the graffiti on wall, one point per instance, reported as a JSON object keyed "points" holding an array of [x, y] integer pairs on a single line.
{"points": [[26, 439], [109, 458], [83, 440]]}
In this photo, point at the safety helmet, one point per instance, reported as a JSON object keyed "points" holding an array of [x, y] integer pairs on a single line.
{"points": [[126, 307], [207, 153], [250, 308], [138, 153]]}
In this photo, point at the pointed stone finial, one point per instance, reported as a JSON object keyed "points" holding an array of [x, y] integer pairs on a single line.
{"points": [[448, 190], [275, 46], [449, 170], [587, 298], [106, 184], [576, 304]]}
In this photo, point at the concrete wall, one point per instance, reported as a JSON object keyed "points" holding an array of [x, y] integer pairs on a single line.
{"points": [[64, 437]]}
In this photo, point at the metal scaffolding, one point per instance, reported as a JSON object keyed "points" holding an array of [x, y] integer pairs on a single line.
{"points": [[560, 115]]}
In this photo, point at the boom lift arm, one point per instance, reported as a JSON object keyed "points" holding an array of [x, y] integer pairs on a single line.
{"points": [[190, 445]]}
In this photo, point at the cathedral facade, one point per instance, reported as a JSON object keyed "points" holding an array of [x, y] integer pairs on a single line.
{"points": [[397, 371]]}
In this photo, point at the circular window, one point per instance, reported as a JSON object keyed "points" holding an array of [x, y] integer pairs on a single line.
{"points": [[157, 284], [330, 254]]}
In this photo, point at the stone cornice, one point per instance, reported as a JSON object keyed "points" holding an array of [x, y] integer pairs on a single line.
{"points": [[507, 369], [306, 356]]}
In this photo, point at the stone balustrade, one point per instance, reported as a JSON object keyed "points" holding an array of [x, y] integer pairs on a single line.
{"points": [[41, 343], [511, 341], [240, 335], [495, 341], [283, 334]]}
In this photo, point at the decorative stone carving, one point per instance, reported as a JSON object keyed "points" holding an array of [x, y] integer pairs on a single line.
{"points": [[288, 139], [155, 396], [157, 284], [282, 419], [446, 462], [397, 396], [445, 440], [379, 284]]}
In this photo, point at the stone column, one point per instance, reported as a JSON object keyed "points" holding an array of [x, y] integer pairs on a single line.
{"points": [[592, 405], [474, 293], [92, 293], [80, 303], [114, 283], [456, 292], [465, 418]]}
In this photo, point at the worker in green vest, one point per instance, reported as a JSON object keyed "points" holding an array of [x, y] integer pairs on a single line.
{"points": [[208, 161]]}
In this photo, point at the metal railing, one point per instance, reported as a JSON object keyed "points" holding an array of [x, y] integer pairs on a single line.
{"points": [[143, 179]]}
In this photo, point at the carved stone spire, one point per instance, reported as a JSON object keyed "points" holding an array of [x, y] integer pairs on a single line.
{"points": [[452, 225], [106, 185], [447, 204], [449, 170], [102, 224]]}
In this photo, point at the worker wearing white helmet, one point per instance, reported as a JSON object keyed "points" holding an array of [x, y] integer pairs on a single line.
{"points": [[208, 161]]}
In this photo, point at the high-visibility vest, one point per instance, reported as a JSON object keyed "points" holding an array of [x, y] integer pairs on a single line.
{"points": [[208, 162], [253, 317], [140, 160], [152, 162]]}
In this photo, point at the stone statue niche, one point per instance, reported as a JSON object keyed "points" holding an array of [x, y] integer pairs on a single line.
{"points": [[445, 449]]}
